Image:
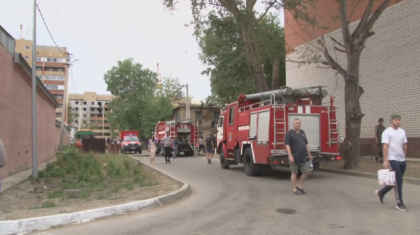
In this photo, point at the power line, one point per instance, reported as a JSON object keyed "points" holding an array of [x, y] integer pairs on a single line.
{"points": [[72, 78], [39, 10]]}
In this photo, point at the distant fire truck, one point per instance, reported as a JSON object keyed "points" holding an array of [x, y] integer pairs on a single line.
{"points": [[187, 133], [252, 130]]}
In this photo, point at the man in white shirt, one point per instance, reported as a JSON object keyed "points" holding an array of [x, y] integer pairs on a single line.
{"points": [[394, 143]]}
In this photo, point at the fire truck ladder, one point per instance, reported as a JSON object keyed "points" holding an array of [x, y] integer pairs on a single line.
{"points": [[196, 136], [333, 127], [279, 123], [172, 129]]}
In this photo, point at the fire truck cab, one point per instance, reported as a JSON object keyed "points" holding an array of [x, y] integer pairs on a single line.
{"points": [[252, 130]]}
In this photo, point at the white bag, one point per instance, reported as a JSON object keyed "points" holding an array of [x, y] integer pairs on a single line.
{"points": [[386, 177]]}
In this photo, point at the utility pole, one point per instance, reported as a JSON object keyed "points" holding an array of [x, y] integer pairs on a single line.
{"points": [[103, 120], [34, 149], [64, 106], [187, 104]]}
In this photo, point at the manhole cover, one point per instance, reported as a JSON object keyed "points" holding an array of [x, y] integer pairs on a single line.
{"points": [[286, 211]]}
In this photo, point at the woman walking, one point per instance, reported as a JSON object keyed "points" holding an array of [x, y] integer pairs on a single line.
{"points": [[152, 148]]}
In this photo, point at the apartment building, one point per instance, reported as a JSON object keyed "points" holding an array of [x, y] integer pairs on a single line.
{"points": [[51, 69], [89, 110]]}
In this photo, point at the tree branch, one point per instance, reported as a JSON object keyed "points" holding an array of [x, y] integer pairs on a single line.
{"points": [[230, 5], [362, 23], [339, 43], [250, 5], [270, 5], [376, 15], [340, 50], [330, 60], [345, 25]]}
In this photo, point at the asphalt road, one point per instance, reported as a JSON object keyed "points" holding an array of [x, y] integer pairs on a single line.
{"points": [[229, 202]]}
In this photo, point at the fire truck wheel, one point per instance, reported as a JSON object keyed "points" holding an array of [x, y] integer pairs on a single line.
{"points": [[223, 162], [250, 167]]}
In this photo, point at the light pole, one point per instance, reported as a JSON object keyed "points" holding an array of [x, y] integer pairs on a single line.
{"points": [[187, 103], [34, 149]]}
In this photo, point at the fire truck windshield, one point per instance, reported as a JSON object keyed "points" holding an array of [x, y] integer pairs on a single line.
{"points": [[131, 138]]}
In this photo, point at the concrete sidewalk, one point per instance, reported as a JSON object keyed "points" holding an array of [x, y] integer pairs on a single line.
{"points": [[15, 179], [45, 222]]}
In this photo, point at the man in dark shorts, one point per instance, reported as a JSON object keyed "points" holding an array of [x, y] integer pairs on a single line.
{"points": [[209, 147], [378, 137], [298, 151], [166, 141]]}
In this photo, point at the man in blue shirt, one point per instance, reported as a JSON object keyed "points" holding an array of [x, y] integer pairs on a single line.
{"points": [[298, 151], [176, 145]]}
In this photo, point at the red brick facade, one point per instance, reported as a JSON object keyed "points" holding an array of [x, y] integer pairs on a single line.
{"points": [[16, 118], [327, 15]]}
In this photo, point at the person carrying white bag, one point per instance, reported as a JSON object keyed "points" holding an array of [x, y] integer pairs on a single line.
{"points": [[394, 143]]}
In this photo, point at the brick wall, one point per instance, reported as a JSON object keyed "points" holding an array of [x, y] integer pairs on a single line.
{"points": [[15, 118], [389, 72], [326, 12], [368, 146]]}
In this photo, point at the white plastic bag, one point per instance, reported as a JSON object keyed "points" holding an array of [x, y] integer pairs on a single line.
{"points": [[386, 177]]}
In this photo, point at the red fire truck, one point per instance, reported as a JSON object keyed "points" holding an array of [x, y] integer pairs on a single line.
{"points": [[252, 130], [187, 132]]}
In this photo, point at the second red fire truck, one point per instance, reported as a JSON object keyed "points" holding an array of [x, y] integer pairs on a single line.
{"points": [[186, 131], [252, 130]]}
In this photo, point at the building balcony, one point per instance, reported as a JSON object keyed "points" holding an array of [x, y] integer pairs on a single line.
{"points": [[55, 73]]}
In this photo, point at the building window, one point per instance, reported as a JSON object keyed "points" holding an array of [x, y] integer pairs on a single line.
{"points": [[54, 87], [59, 97], [60, 70], [58, 115], [27, 47], [198, 116], [84, 109], [77, 109], [92, 109], [58, 78], [76, 121], [59, 106], [93, 102], [26, 57], [231, 115], [84, 103], [38, 68], [77, 102]]}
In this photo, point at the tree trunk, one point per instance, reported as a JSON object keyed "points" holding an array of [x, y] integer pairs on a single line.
{"points": [[353, 113], [253, 55], [275, 74]]}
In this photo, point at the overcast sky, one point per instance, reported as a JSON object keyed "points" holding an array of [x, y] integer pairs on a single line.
{"points": [[101, 32]]}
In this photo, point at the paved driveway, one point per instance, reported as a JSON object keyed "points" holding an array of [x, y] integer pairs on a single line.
{"points": [[229, 202]]}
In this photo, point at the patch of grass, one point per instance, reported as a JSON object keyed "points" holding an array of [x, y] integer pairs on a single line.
{"points": [[98, 175], [55, 194], [48, 204]]}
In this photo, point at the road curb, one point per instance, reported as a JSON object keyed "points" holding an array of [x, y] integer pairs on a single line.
{"points": [[366, 175], [45, 222]]}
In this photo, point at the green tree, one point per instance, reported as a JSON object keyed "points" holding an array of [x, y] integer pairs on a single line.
{"points": [[246, 17], [133, 86], [158, 109], [70, 115], [223, 51], [171, 89]]}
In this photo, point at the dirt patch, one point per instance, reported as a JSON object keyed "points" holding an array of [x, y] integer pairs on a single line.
{"points": [[369, 165], [26, 200]]}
